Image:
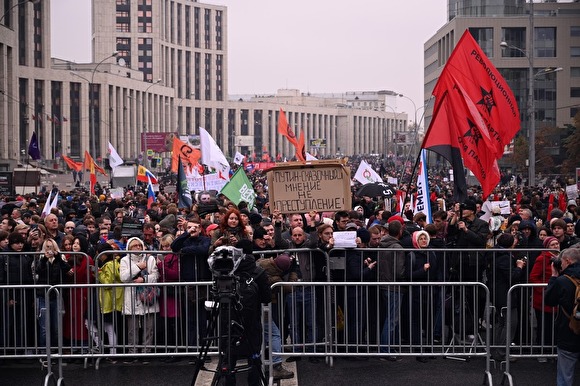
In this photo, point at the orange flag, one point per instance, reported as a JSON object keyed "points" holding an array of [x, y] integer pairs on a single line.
{"points": [[301, 148], [78, 166], [285, 129], [90, 161], [189, 155]]}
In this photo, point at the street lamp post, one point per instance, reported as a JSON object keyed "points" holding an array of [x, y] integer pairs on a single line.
{"points": [[16, 5], [178, 114], [93, 139]]}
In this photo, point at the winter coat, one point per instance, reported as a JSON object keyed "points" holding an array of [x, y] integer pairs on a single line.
{"points": [[311, 264], [129, 270], [503, 273], [50, 273], [169, 273], [111, 298], [276, 275], [562, 292], [541, 273], [391, 264], [193, 260]]}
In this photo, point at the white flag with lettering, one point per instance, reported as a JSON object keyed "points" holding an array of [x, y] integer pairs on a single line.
{"points": [[239, 158], [114, 157], [212, 155]]}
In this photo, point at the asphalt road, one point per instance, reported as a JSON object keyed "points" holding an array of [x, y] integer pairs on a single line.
{"points": [[344, 372]]}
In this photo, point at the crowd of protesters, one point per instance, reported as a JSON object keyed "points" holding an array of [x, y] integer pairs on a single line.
{"points": [[61, 247]]}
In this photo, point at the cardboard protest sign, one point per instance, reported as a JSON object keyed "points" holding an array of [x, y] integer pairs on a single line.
{"points": [[297, 187]]}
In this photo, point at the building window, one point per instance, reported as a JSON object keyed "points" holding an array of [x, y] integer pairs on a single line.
{"points": [[575, 52], [575, 31], [484, 37], [575, 72], [545, 42], [575, 92], [514, 37]]}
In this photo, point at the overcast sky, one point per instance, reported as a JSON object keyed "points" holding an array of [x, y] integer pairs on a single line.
{"points": [[311, 45]]}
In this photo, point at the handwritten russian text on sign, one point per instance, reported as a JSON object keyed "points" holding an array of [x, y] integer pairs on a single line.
{"points": [[301, 188]]}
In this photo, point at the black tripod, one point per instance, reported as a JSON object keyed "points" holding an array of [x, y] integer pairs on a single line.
{"points": [[229, 338]]}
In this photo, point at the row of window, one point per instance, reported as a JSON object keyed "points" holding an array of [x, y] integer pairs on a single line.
{"points": [[545, 39]]}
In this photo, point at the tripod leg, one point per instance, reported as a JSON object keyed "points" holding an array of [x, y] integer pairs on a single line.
{"points": [[211, 333]]}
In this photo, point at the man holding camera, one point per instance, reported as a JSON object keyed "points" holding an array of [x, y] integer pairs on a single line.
{"points": [[561, 291]]}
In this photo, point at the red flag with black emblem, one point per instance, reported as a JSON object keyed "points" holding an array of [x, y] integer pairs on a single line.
{"points": [[301, 148], [474, 117], [485, 86], [285, 129]]}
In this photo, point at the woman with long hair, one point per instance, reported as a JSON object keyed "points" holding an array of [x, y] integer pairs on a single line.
{"points": [[77, 306], [231, 230]]}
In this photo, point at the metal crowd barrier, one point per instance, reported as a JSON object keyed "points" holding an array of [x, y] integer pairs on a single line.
{"points": [[539, 341], [339, 313]]}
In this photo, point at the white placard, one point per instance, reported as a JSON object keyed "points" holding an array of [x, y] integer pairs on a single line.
{"points": [[117, 193], [572, 192], [212, 182], [344, 239]]}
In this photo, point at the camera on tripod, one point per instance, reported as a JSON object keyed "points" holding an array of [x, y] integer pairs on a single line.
{"points": [[223, 262]]}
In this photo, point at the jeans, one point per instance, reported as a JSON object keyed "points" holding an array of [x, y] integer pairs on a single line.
{"points": [[392, 301], [566, 364], [276, 341], [300, 304], [52, 312]]}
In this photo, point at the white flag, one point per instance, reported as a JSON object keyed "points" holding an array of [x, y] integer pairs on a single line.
{"points": [[239, 158], [310, 157], [365, 174], [114, 158], [423, 203], [212, 156], [50, 203]]}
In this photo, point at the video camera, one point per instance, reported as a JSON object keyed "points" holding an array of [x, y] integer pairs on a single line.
{"points": [[223, 262]]}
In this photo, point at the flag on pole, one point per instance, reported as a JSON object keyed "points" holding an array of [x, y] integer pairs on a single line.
{"points": [[76, 166], [423, 202], [310, 157], [150, 193], [301, 148], [365, 174], [47, 206], [33, 148], [189, 156], [285, 129], [239, 158], [144, 175], [212, 156], [474, 117], [239, 188], [114, 158], [183, 192], [90, 163]]}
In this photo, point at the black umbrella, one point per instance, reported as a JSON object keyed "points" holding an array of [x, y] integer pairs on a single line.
{"points": [[376, 189]]}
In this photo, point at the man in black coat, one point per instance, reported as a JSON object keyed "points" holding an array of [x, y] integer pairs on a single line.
{"points": [[561, 291], [468, 231], [193, 249]]}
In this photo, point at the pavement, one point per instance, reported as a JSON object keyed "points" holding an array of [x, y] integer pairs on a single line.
{"points": [[372, 371]]}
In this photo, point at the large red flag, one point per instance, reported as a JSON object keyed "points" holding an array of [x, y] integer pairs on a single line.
{"points": [[486, 87], [285, 129], [474, 117], [91, 165]]}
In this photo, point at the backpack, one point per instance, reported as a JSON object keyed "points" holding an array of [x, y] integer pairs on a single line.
{"points": [[574, 318]]}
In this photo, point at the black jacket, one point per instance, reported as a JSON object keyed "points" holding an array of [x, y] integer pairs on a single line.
{"points": [[503, 274], [194, 252], [561, 292]]}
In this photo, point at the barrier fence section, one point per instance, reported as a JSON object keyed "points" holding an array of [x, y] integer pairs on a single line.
{"points": [[437, 302], [541, 344]]}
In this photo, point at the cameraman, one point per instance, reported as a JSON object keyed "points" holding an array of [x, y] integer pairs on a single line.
{"points": [[561, 291], [251, 313]]}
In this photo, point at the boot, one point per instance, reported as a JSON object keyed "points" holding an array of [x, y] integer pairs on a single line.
{"points": [[280, 372]]}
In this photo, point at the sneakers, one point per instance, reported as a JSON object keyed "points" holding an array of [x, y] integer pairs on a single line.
{"points": [[279, 372], [130, 361], [543, 360]]}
